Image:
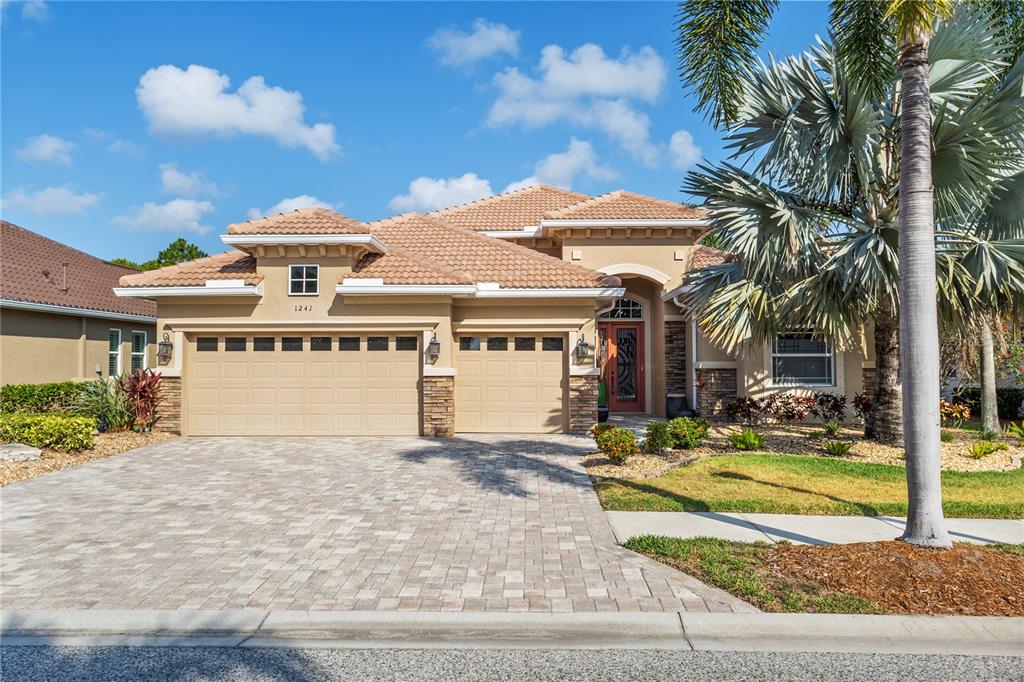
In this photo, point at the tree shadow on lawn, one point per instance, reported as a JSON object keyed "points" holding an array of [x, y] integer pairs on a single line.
{"points": [[865, 509], [690, 504], [507, 464]]}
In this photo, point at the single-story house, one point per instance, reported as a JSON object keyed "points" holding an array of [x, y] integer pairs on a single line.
{"points": [[59, 317], [500, 315]]}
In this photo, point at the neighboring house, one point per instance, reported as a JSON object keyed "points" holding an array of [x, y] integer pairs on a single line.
{"points": [[499, 315], [59, 317]]}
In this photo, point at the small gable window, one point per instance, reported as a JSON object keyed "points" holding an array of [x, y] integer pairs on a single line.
{"points": [[303, 280]]}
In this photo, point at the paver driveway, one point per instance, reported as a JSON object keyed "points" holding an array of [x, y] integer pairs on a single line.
{"points": [[474, 523]]}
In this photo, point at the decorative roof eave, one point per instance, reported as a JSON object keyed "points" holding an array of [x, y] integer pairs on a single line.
{"points": [[248, 241], [697, 223], [213, 287], [376, 287]]}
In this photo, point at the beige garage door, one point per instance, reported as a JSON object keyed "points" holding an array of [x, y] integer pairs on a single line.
{"points": [[302, 385], [513, 384]]}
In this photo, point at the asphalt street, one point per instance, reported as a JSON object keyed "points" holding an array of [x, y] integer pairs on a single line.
{"points": [[24, 664]]}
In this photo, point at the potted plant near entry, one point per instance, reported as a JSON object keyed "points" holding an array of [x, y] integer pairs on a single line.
{"points": [[602, 402]]}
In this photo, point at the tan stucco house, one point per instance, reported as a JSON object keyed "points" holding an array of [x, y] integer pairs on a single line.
{"points": [[500, 315], [59, 317]]}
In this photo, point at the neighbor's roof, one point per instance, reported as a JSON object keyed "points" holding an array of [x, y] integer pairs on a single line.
{"points": [[623, 205], [705, 256], [232, 264], [301, 221], [32, 271], [511, 210], [480, 258]]}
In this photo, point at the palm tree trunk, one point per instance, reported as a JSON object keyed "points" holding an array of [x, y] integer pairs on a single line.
{"points": [[989, 399], [919, 326], [885, 420]]}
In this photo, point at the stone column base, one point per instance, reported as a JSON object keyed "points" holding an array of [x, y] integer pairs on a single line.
{"points": [[582, 404], [439, 407], [715, 389], [168, 412]]}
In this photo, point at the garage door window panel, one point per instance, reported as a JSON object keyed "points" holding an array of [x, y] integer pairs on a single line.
{"points": [[348, 343], [526, 343], [263, 343], [405, 343], [551, 343], [320, 343], [497, 343], [235, 344], [377, 343], [469, 343], [291, 343], [205, 344]]}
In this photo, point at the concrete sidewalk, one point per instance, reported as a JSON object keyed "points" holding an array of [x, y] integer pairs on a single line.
{"points": [[798, 529], [421, 630]]}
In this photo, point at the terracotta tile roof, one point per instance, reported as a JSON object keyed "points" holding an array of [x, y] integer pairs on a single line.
{"points": [[480, 258], [395, 267], [623, 205], [511, 210], [301, 221], [32, 270], [705, 256], [232, 264]]}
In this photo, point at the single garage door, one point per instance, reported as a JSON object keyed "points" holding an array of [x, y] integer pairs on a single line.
{"points": [[302, 385], [513, 384]]}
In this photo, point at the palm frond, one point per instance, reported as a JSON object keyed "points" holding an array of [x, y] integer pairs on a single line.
{"points": [[863, 37]]}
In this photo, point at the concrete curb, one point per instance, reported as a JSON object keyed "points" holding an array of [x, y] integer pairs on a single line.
{"points": [[355, 629]]}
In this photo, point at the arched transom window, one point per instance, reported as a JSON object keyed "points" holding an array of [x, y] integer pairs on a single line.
{"points": [[625, 309]]}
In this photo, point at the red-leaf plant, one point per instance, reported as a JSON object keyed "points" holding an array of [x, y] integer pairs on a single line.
{"points": [[142, 387]]}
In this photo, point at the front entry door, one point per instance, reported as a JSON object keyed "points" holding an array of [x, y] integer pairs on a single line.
{"points": [[624, 366]]}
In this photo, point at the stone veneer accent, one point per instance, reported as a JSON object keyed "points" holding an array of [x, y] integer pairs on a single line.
{"points": [[868, 377], [582, 404], [169, 410], [439, 407], [675, 357], [715, 388]]}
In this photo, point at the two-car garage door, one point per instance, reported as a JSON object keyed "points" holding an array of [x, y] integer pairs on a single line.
{"points": [[303, 385]]}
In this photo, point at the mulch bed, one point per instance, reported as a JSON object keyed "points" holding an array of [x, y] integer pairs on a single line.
{"points": [[966, 580], [105, 445]]}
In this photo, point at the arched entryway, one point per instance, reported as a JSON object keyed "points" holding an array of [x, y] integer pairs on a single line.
{"points": [[623, 334]]}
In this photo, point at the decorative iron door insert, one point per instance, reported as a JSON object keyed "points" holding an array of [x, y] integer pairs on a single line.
{"points": [[624, 370]]}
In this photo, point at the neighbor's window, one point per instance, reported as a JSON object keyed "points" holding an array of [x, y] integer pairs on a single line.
{"points": [[236, 344], [138, 350], [526, 343], [114, 353], [497, 343], [303, 280], [469, 343], [376, 343], [801, 358], [206, 343], [551, 343], [348, 343], [263, 343], [405, 343], [291, 343], [625, 309]]}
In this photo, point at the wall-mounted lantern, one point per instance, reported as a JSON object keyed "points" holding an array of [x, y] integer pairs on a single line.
{"points": [[164, 349], [433, 349], [581, 350]]}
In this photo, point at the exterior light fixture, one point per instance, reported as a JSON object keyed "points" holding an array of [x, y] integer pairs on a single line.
{"points": [[433, 349], [580, 351], [164, 348]]}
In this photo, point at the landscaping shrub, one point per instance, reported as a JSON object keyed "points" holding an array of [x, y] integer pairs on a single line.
{"points": [[987, 434], [600, 427], [829, 406], [1016, 430], [838, 448], [55, 397], [142, 389], [746, 410], [688, 432], [1008, 400], [617, 444], [862, 406], [747, 439], [831, 427], [946, 436], [657, 437], [56, 431], [954, 414], [789, 408], [983, 448], [107, 403]]}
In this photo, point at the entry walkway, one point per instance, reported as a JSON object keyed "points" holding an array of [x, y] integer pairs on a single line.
{"points": [[798, 529]]}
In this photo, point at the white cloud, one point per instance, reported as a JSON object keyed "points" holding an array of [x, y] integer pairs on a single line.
{"points": [[47, 149], [462, 49], [585, 88], [196, 101], [113, 143], [36, 10], [51, 200], [683, 150], [174, 181], [562, 168], [430, 194], [177, 215], [290, 204]]}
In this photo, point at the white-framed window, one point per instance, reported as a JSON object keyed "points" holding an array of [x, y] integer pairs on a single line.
{"points": [[303, 280], [114, 353], [138, 359], [625, 309], [802, 359]]}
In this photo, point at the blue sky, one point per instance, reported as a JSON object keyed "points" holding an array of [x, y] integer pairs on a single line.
{"points": [[127, 125]]}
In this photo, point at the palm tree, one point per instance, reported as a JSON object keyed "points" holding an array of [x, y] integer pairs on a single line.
{"points": [[819, 213]]}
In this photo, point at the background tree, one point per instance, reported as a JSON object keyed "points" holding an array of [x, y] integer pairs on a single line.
{"points": [[178, 251]]}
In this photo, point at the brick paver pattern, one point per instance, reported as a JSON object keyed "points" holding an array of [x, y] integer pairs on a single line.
{"points": [[475, 523]]}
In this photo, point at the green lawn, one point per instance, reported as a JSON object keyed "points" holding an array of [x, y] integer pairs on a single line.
{"points": [[783, 484]]}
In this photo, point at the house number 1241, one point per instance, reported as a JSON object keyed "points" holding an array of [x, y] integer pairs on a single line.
{"points": [[303, 308]]}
